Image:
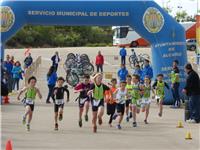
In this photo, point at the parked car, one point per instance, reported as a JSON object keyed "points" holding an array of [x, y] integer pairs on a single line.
{"points": [[191, 44]]}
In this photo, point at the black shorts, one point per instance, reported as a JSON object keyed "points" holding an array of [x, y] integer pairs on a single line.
{"points": [[81, 103], [120, 108], [111, 108], [56, 107], [31, 106], [128, 102], [94, 107]]}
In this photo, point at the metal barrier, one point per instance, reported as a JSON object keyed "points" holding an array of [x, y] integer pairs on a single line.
{"points": [[31, 70]]}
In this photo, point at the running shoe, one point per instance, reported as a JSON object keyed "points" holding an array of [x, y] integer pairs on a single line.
{"points": [[145, 121], [127, 118], [86, 118], [28, 127], [130, 115], [24, 120], [60, 117], [48, 102], [119, 127], [56, 127], [160, 114], [80, 123], [95, 129], [134, 124], [114, 116]]}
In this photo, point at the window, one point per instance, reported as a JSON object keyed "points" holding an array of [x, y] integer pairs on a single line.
{"points": [[123, 32]]}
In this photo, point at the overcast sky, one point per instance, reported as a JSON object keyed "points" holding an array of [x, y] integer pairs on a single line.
{"points": [[189, 5]]}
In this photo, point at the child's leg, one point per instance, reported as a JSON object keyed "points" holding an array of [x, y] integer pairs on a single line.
{"points": [[94, 119], [27, 111], [60, 111], [17, 84], [120, 118], [56, 117], [160, 107], [134, 110], [100, 114], [138, 110], [30, 117], [86, 107], [147, 111], [111, 118]]}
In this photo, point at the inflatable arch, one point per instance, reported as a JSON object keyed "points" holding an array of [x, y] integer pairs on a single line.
{"points": [[166, 36]]}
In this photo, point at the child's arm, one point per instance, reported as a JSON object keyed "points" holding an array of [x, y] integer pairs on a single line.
{"points": [[39, 93], [67, 91], [20, 93]]}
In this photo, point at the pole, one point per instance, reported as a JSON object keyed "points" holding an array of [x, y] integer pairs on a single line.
{"points": [[198, 35]]}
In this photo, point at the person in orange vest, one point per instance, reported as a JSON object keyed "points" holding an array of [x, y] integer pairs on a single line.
{"points": [[111, 100]]}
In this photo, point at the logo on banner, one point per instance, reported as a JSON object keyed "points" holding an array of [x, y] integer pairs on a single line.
{"points": [[153, 20], [7, 18]]}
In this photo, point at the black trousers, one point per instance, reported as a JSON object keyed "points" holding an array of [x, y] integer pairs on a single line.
{"points": [[99, 67]]}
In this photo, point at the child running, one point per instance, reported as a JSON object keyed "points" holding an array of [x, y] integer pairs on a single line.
{"points": [[111, 100], [136, 97], [146, 101], [159, 86], [98, 90], [129, 88], [121, 95], [29, 100], [84, 100], [58, 97]]}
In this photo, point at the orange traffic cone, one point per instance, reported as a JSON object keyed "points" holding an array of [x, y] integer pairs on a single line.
{"points": [[9, 145], [6, 100]]}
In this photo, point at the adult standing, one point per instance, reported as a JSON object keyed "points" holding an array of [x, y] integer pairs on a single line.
{"points": [[122, 73], [28, 61], [51, 79], [175, 83], [99, 62], [17, 74], [8, 65], [192, 90], [123, 54], [147, 70], [55, 60]]}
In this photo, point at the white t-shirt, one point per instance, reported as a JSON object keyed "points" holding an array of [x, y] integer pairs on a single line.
{"points": [[121, 96]]}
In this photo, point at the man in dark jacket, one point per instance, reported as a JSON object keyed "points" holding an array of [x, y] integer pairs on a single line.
{"points": [[192, 90], [28, 61], [55, 60]]}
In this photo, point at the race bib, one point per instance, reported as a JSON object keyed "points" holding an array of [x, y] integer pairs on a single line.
{"points": [[139, 102], [59, 101], [96, 102], [29, 101], [158, 97], [82, 100]]}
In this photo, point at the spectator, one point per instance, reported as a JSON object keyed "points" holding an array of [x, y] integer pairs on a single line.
{"points": [[55, 60], [16, 71], [192, 90], [175, 83], [147, 70], [122, 73], [51, 78], [137, 70], [123, 54], [12, 59], [198, 55], [8, 66], [28, 61], [99, 62]]}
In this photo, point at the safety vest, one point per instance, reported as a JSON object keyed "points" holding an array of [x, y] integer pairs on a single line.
{"points": [[31, 93], [175, 77], [98, 92], [147, 91], [136, 92], [160, 88]]}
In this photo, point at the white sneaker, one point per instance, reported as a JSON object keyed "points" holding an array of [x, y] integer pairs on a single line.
{"points": [[191, 121]]}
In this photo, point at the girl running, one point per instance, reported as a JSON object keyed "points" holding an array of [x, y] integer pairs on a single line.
{"points": [[136, 97], [129, 88], [97, 89], [29, 100], [159, 86], [83, 98], [146, 101], [121, 95], [58, 97], [111, 100]]}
